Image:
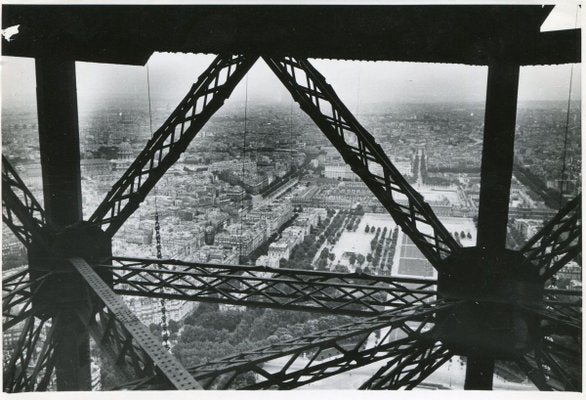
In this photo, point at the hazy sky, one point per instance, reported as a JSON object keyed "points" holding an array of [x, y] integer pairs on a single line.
{"points": [[356, 82]]}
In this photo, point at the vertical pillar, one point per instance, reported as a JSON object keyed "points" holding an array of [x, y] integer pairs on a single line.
{"points": [[497, 156], [479, 373], [495, 177], [60, 164], [59, 140]]}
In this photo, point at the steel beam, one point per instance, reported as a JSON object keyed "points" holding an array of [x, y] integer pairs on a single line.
{"points": [[495, 174], [296, 362], [497, 156], [558, 242], [365, 156], [17, 297], [59, 139], [21, 212], [411, 367], [134, 333], [206, 96], [550, 370], [33, 357], [479, 373], [328, 292], [60, 165]]}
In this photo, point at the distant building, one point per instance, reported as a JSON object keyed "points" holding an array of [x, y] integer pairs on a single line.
{"points": [[209, 235], [278, 250]]}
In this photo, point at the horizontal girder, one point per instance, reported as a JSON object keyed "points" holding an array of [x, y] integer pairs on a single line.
{"points": [[328, 292], [134, 331], [300, 360], [469, 34]]}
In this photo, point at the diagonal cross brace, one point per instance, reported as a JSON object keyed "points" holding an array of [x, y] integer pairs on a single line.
{"points": [[410, 367], [317, 355], [21, 212], [558, 242], [169, 367], [366, 157], [206, 96]]}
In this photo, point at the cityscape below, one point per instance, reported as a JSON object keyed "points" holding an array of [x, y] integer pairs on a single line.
{"points": [[264, 187]]}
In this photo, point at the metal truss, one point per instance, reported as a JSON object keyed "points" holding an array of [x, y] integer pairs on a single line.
{"points": [[399, 315], [558, 242], [134, 344], [26, 218], [552, 369], [32, 359], [116, 343], [560, 318], [328, 292], [17, 297], [296, 362], [206, 96], [411, 366], [366, 157], [21, 212]]}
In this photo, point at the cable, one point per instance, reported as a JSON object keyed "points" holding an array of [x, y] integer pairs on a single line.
{"points": [[149, 96], [243, 156], [291, 138], [164, 326], [561, 199]]}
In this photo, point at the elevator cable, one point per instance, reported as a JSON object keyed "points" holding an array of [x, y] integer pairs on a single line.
{"points": [[561, 199], [243, 160], [164, 326], [291, 167]]}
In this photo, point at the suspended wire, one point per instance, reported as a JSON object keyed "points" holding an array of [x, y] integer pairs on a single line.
{"points": [[564, 157], [164, 326], [149, 96], [243, 156], [291, 138]]}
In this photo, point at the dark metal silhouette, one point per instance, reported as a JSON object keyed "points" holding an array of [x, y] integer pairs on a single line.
{"points": [[489, 303]]}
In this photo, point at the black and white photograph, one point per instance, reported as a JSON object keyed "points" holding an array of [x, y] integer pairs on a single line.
{"points": [[299, 196]]}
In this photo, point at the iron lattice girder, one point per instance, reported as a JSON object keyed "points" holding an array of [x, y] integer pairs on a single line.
{"points": [[329, 292], [346, 347], [17, 297], [561, 318], [558, 242], [305, 290], [563, 308], [552, 368], [206, 96], [18, 302], [356, 146], [21, 211], [366, 157], [135, 331], [31, 363], [115, 342], [409, 368]]}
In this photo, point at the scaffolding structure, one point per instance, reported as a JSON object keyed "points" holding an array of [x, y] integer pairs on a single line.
{"points": [[489, 303]]}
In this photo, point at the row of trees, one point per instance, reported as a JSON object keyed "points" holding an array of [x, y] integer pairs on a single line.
{"points": [[461, 235], [209, 333], [388, 244], [303, 254], [353, 223]]}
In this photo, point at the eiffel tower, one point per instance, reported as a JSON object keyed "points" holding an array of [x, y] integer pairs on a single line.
{"points": [[489, 303]]}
